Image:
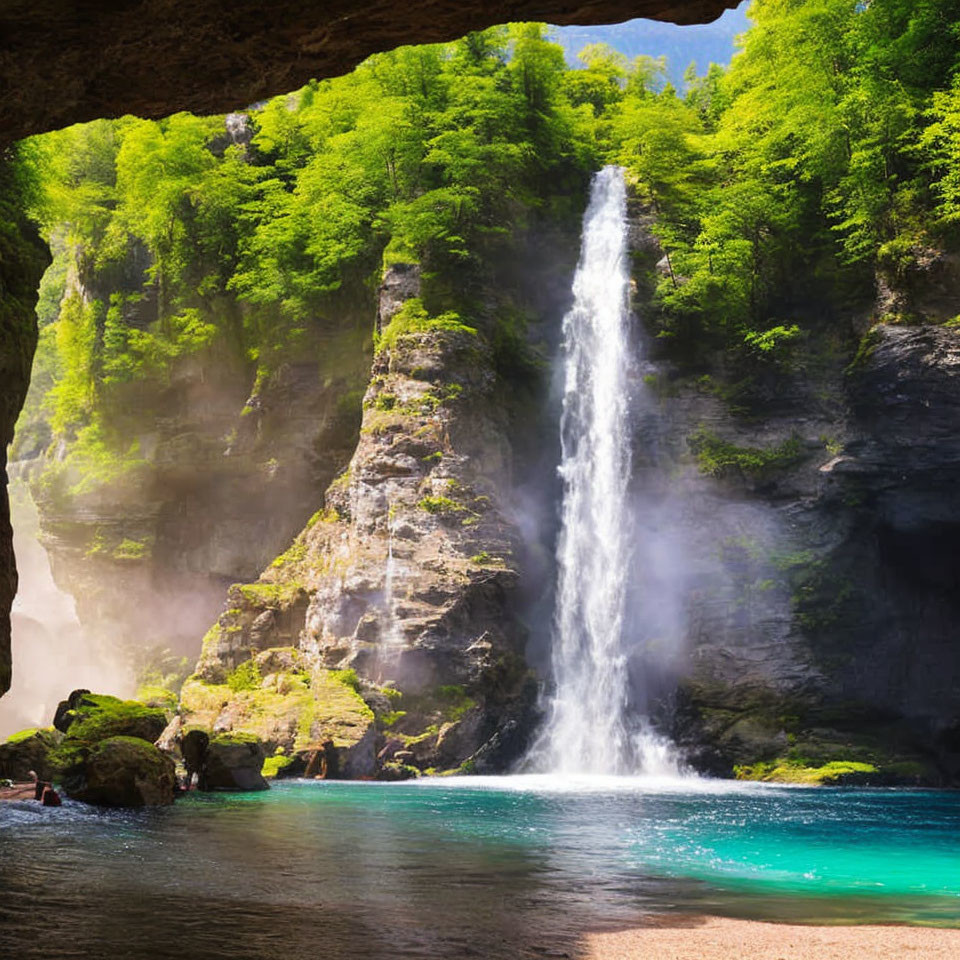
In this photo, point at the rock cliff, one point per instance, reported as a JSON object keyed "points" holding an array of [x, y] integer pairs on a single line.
{"points": [[812, 497], [23, 258], [411, 582], [226, 470]]}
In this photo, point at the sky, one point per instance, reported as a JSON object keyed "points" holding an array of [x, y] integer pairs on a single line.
{"points": [[704, 43]]}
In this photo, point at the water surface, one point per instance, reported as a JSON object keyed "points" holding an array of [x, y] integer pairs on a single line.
{"points": [[495, 867]]}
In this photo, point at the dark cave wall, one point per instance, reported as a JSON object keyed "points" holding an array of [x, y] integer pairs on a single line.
{"points": [[61, 63]]}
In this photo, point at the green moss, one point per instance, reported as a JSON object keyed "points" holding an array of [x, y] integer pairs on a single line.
{"points": [[272, 766], [275, 595], [412, 318], [129, 549], [25, 735], [865, 350], [296, 553], [454, 701], [348, 678], [786, 770], [102, 717], [484, 559], [388, 719], [245, 677], [434, 457], [154, 696], [385, 401], [326, 515], [440, 505], [717, 457], [233, 738]]}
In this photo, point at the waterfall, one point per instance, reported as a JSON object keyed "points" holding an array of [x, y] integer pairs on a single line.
{"points": [[588, 728]]}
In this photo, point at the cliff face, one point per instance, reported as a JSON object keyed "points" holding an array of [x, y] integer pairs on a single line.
{"points": [[227, 469], [411, 576], [23, 259], [814, 514]]}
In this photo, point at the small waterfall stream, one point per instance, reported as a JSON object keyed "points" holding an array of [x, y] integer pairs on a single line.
{"points": [[587, 728]]}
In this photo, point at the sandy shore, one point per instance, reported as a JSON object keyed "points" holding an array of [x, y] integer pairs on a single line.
{"points": [[718, 938]]}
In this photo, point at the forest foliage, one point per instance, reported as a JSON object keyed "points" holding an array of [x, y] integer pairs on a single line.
{"points": [[827, 150]]}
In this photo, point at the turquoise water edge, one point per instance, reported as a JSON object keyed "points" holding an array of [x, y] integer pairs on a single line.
{"points": [[489, 867]]}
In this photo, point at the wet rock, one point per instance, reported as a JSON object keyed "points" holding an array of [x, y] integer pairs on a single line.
{"points": [[123, 772], [233, 762], [65, 714], [169, 740], [394, 771], [28, 752]]}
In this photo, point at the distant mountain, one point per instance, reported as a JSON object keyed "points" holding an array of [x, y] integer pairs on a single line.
{"points": [[703, 43]]}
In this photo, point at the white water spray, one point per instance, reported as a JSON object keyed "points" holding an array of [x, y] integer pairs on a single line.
{"points": [[587, 729]]}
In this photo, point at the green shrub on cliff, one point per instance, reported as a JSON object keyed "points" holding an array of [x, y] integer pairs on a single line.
{"points": [[716, 456], [413, 318]]}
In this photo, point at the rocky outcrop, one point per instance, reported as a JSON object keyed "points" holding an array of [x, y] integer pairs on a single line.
{"points": [[142, 59], [226, 471], [407, 578], [233, 762], [29, 751], [86, 717], [289, 704], [123, 772], [818, 592]]}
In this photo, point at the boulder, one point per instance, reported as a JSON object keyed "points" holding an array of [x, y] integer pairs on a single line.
{"points": [[29, 750], [123, 772], [393, 771], [233, 761], [92, 717]]}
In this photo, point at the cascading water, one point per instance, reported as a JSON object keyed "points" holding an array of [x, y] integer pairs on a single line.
{"points": [[587, 729]]}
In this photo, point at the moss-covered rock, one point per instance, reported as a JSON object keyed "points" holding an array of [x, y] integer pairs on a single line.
{"points": [[277, 765], [277, 699], [91, 717], [393, 771], [29, 750], [123, 772], [836, 773], [233, 761]]}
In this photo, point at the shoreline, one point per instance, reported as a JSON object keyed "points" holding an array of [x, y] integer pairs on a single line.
{"points": [[699, 937], [19, 791]]}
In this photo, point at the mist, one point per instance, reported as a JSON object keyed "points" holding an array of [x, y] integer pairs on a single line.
{"points": [[52, 653]]}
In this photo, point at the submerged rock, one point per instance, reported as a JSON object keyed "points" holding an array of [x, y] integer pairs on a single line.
{"points": [[123, 772], [233, 762], [29, 751]]}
